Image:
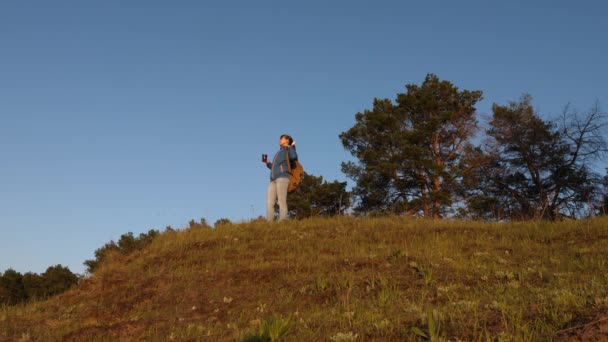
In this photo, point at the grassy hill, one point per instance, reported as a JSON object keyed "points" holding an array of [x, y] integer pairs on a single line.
{"points": [[340, 279]]}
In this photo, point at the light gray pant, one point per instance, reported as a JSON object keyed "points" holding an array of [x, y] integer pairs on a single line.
{"points": [[277, 189]]}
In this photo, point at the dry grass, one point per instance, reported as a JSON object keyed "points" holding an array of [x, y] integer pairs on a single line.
{"points": [[338, 279]]}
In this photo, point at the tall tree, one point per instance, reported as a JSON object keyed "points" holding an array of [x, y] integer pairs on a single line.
{"points": [[542, 169], [409, 152]]}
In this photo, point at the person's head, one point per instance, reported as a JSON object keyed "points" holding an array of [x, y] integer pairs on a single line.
{"points": [[285, 140]]}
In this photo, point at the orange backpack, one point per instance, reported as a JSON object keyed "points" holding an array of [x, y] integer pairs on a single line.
{"points": [[296, 171]]}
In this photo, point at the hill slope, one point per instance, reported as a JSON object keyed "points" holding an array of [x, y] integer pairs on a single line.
{"points": [[337, 279]]}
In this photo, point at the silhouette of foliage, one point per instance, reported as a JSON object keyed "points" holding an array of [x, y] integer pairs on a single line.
{"points": [[127, 243], [57, 279], [316, 197], [13, 291], [221, 221], [34, 285], [16, 288], [202, 224]]}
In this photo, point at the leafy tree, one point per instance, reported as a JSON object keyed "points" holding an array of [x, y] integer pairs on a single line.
{"points": [[16, 288], [34, 285], [316, 197], [12, 290], [539, 169], [58, 279], [409, 152]]}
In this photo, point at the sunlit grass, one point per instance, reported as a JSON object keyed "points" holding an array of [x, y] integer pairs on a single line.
{"points": [[337, 279]]}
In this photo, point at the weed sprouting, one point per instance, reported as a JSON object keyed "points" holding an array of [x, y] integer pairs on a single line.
{"points": [[432, 332], [344, 337], [424, 271], [385, 297], [272, 329], [396, 255], [321, 284]]}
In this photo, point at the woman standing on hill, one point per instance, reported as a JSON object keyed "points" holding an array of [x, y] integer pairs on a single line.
{"points": [[279, 177]]}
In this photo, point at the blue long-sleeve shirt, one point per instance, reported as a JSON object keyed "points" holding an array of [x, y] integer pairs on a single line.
{"points": [[278, 167]]}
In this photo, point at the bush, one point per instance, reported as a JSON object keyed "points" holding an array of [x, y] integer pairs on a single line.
{"points": [[126, 245]]}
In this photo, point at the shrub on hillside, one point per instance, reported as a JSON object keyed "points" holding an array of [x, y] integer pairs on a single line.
{"points": [[12, 291], [126, 245], [203, 224], [16, 288], [221, 221]]}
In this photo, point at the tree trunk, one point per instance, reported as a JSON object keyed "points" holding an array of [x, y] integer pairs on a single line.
{"points": [[423, 193], [435, 176], [425, 199], [436, 187]]}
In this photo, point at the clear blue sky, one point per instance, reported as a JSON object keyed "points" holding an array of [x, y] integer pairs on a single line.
{"points": [[120, 116]]}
